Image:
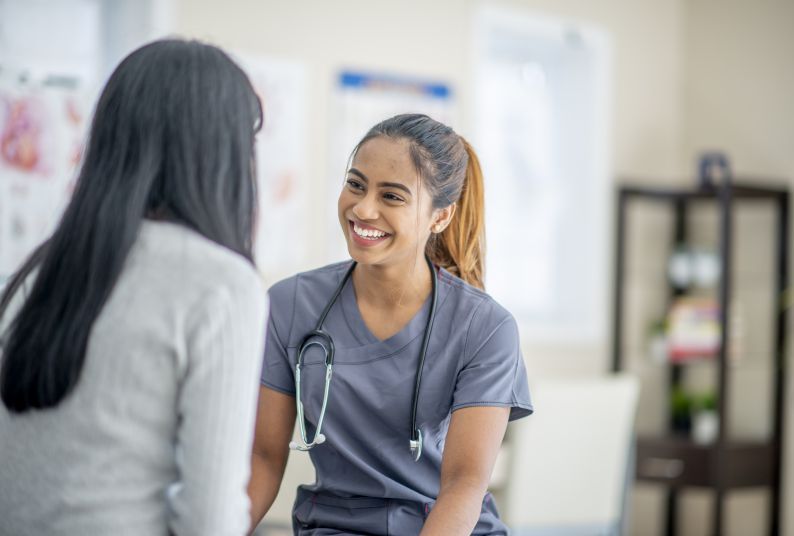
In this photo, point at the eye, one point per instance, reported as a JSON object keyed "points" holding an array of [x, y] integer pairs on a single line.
{"points": [[394, 198], [354, 184]]}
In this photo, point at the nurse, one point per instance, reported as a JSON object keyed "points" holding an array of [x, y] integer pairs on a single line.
{"points": [[427, 368]]}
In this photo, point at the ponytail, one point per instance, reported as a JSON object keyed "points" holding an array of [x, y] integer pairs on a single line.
{"points": [[460, 248]]}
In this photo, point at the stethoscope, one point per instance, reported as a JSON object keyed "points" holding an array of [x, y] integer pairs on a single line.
{"points": [[321, 338]]}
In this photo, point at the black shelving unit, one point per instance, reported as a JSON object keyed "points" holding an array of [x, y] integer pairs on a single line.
{"points": [[677, 462]]}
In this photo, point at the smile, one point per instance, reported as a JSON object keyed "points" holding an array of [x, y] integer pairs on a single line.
{"points": [[368, 234]]}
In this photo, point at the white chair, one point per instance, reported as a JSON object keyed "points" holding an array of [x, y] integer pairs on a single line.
{"points": [[571, 463]]}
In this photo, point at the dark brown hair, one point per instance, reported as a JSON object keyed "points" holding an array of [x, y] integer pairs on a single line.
{"points": [[451, 170]]}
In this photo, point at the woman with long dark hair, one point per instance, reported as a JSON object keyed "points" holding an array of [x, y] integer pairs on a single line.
{"points": [[402, 372], [129, 341]]}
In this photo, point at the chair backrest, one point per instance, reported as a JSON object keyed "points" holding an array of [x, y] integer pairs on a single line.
{"points": [[571, 463]]}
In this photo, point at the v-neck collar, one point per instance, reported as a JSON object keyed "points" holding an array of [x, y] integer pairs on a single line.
{"points": [[371, 347]]}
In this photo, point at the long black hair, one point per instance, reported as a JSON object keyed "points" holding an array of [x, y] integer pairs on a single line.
{"points": [[172, 138]]}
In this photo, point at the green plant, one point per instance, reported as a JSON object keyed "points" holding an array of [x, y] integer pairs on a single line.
{"points": [[658, 327], [680, 411], [680, 403], [705, 401]]}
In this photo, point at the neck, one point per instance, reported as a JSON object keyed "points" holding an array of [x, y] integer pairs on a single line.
{"points": [[393, 286]]}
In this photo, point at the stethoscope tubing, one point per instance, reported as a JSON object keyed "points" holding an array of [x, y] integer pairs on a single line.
{"points": [[321, 338]]}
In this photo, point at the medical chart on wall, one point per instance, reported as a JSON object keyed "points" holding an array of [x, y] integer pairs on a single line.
{"points": [[362, 100], [42, 133], [282, 236]]}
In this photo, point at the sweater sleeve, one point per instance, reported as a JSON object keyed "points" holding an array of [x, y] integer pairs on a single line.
{"points": [[217, 408]]}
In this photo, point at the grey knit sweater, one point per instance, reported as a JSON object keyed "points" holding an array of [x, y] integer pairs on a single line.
{"points": [[156, 436]]}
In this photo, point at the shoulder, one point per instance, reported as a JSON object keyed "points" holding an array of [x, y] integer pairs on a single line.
{"points": [[183, 262], [476, 311], [302, 297], [309, 282], [481, 306]]}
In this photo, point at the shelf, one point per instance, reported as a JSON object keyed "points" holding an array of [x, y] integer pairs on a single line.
{"points": [[753, 361], [738, 190], [678, 462]]}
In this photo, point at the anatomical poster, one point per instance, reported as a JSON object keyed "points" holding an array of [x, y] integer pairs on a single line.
{"points": [[42, 131]]}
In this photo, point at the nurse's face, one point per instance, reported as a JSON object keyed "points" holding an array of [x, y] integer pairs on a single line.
{"points": [[385, 211]]}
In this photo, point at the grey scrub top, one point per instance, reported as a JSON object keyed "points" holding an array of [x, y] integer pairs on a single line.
{"points": [[367, 480]]}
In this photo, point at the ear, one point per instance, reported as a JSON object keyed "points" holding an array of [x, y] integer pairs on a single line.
{"points": [[442, 217]]}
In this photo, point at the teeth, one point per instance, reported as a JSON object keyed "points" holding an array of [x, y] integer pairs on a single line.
{"points": [[371, 234]]}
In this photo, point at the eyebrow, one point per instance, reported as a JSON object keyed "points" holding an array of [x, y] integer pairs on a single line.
{"points": [[397, 185]]}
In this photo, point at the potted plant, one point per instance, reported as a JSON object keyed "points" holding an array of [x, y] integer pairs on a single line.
{"points": [[681, 411], [706, 420]]}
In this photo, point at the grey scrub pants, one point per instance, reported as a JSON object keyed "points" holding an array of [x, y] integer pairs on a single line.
{"points": [[320, 514]]}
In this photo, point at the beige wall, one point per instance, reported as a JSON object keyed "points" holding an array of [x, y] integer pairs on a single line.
{"points": [[739, 98], [740, 83]]}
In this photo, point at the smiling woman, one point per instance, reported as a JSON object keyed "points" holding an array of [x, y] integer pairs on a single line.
{"points": [[413, 153], [409, 337], [384, 208]]}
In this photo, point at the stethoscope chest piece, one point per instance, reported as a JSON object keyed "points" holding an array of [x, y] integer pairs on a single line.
{"points": [[416, 445]]}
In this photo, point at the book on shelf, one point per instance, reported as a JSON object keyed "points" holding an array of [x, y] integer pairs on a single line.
{"points": [[693, 329]]}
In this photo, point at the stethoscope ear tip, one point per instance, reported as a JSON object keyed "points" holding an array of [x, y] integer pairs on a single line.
{"points": [[292, 445], [320, 439]]}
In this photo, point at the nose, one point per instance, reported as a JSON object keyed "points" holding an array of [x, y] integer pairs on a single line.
{"points": [[366, 208]]}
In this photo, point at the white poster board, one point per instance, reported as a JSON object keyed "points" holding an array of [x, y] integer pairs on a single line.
{"points": [[361, 101], [49, 56], [282, 237], [541, 131]]}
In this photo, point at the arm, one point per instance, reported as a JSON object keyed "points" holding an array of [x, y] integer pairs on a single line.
{"points": [[473, 440], [216, 405], [275, 420]]}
